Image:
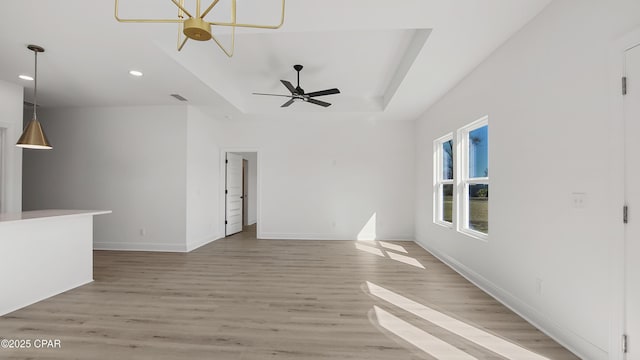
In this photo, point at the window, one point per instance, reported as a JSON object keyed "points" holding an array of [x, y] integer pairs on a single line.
{"points": [[473, 185], [443, 184]]}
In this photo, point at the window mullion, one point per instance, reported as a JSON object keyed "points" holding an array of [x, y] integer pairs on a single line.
{"points": [[475, 181]]}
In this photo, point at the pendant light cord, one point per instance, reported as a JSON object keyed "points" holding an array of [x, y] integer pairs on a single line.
{"points": [[35, 88]]}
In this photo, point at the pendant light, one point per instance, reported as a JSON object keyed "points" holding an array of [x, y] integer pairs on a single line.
{"points": [[33, 137]]}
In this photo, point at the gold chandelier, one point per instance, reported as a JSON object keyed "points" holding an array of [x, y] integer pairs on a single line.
{"points": [[197, 28]]}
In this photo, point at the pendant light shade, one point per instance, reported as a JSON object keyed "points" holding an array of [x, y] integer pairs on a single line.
{"points": [[33, 136]]}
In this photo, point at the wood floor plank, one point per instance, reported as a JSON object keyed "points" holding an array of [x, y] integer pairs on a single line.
{"points": [[241, 298]]}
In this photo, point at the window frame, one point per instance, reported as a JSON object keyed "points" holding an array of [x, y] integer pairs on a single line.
{"points": [[464, 181], [439, 181]]}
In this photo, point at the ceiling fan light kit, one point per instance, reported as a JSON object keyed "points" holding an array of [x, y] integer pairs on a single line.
{"points": [[297, 93], [199, 29]]}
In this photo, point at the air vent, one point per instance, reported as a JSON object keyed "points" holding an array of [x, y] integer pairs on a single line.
{"points": [[179, 97]]}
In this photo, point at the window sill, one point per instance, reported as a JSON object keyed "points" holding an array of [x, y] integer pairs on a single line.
{"points": [[444, 224], [475, 234]]}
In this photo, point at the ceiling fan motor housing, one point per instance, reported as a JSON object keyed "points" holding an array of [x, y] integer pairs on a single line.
{"points": [[197, 29], [297, 68]]}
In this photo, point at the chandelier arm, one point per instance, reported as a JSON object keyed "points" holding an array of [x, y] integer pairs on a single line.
{"points": [[150, 21], [142, 20], [179, 35], [233, 12], [180, 46], [180, 12], [209, 8], [233, 43], [255, 26], [180, 42], [182, 7]]}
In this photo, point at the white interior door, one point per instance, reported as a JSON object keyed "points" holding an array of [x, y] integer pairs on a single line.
{"points": [[233, 220], [245, 191], [632, 190]]}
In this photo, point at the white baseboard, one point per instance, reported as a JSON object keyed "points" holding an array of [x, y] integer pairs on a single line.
{"points": [[565, 337], [122, 246], [197, 244], [302, 236]]}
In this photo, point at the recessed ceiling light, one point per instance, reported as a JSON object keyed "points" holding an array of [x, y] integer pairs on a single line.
{"points": [[135, 73], [25, 77]]}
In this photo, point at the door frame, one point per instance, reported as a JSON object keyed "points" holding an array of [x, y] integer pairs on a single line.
{"points": [[222, 182], [616, 256], [11, 168], [245, 181]]}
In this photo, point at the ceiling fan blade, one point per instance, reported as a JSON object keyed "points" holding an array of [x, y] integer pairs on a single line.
{"points": [[318, 102], [289, 96], [324, 92], [287, 103], [288, 85]]}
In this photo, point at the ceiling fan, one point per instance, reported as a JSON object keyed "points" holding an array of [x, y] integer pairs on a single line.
{"points": [[298, 94]]}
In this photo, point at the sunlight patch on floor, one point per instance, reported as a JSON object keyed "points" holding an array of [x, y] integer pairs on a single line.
{"points": [[405, 259], [478, 336], [419, 338], [393, 247], [369, 249]]}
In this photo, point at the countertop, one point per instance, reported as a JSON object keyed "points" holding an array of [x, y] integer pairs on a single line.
{"points": [[44, 214]]}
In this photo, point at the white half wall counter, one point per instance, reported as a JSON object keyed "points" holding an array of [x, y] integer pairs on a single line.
{"points": [[44, 253]]}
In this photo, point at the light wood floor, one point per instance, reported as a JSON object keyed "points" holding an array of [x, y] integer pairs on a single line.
{"points": [[242, 298]]}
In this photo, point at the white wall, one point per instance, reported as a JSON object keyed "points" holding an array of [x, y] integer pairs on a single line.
{"points": [[203, 179], [546, 92], [130, 160], [325, 178], [158, 169], [11, 104], [252, 185]]}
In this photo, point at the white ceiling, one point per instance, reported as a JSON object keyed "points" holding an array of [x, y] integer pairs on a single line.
{"points": [[390, 59]]}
